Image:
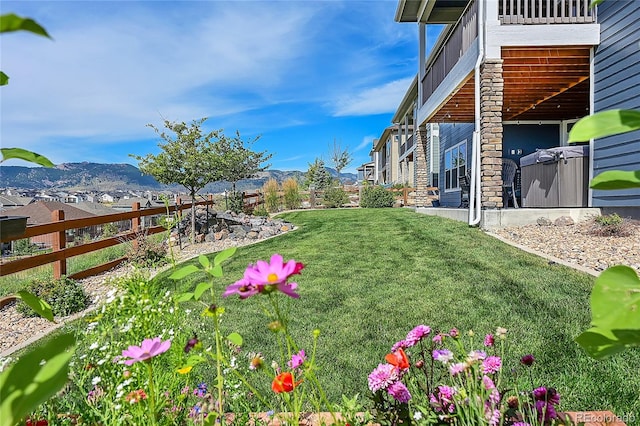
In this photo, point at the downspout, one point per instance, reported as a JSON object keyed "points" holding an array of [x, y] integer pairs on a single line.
{"points": [[475, 194]]}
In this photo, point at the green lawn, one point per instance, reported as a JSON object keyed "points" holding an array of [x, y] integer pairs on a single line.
{"points": [[371, 275]]}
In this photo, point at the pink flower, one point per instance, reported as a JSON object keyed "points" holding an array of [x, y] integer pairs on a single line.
{"points": [[266, 277], [489, 340], [147, 350], [417, 334], [443, 401], [382, 377], [399, 391], [399, 345], [476, 356], [297, 360], [491, 365], [458, 368], [527, 360]]}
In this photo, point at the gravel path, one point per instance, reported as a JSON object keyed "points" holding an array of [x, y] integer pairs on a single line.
{"points": [[572, 244]]}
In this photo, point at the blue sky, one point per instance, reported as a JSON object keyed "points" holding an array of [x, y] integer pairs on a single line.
{"points": [[299, 74]]}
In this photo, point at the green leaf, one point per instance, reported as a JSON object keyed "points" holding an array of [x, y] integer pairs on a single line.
{"points": [[216, 271], [201, 288], [615, 299], [23, 154], [41, 307], [204, 261], [183, 272], [601, 343], [605, 123], [184, 297], [12, 22], [4, 79], [224, 255], [28, 383], [616, 179], [235, 338], [594, 3]]}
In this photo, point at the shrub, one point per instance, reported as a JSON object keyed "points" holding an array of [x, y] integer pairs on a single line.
{"points": [[24, 247], [292, 197], [260, 211], [334, 197], [610, 225], [147, 252], [235, 202], [271, 197], [65, 296], [375, 197]]}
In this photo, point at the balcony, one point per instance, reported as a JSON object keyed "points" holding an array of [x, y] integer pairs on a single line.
{"points": [[460, 39]]}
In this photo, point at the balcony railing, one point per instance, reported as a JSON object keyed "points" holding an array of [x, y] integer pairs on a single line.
{"points": [[545, 12], [459, 41]]}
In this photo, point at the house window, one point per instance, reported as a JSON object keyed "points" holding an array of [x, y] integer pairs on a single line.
{"points": [[455, 165]]}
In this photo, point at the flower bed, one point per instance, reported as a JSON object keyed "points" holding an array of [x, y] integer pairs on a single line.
{"points": [[428, 377]]}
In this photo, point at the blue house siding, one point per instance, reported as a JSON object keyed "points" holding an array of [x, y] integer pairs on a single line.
{"points": [[451, 135], [617, 85]]}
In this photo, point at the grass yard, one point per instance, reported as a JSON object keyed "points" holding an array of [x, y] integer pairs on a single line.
{"points": [[371, 275]]}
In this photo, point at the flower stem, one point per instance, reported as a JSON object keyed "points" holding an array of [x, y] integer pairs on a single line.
{"points": [[152, 393]]}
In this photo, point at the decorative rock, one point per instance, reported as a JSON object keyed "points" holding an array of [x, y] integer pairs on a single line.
{"points": [[544, 221], [253, 235], [564, 221]]}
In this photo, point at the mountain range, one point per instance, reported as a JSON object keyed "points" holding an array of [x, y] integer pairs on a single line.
{"points": [[109, 177]]}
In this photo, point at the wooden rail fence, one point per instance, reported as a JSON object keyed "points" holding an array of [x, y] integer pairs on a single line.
{"points": [[57, 230]]}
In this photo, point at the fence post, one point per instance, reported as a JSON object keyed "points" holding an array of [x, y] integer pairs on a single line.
{"points": [[405, 195], [59, 243], [135, 224]]}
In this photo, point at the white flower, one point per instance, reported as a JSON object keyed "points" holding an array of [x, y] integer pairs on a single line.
{"points": [[170, 310], [417, 416], [117, 406], [102, 361], [103, 348], [96, 380], [43, 362], [93, 346]]}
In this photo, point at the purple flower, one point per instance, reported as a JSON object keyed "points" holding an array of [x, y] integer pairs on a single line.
{"points": [[297, 360], [527, 360], [243, 288], [491, 365], [442, 355], [521, 424], [147, 350], [544, 394], [382, 377], [493, 416], [489, 340], [454, 333], [399, 345], [488, 383], [417, 334], [399, 391], [437, 338]]}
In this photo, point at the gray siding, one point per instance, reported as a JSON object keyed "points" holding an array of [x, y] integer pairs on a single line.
{"points": [[451, 135], [528, 138], [617, 85]]}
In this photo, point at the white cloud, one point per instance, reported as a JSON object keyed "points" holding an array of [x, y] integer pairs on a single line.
{"points": [[375, 100], [367, 141], [108, 74]]}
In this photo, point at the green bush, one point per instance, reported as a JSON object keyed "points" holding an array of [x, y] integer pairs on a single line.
{"points": [[235, 202], [334, 197], [376, 197], [271, 197], [611, 225], [260, 211], [24, 247], [291, 191], [65, 296]]}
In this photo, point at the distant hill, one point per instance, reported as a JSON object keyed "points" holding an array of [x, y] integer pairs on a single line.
{"points": [[110, 177]]}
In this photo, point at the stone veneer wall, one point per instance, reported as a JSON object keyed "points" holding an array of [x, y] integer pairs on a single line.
{"points": [[421, 169], [491, 98]]}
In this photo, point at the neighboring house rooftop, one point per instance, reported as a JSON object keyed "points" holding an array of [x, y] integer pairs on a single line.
{"points": [[97, 209], [40, 212]]}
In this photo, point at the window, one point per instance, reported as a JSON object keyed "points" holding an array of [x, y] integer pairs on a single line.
{"points": [[455, 165]]}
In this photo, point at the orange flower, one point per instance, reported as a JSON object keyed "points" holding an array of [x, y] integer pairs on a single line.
{"points": [[398, 359], [284, 382]]}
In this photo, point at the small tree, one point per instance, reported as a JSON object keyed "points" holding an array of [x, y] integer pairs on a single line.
{"points": [[340, 158], [238, 161], [317, 175], [188, 158]]}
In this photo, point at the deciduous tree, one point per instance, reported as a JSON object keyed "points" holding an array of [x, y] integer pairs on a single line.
{"points": [[189, 158]]}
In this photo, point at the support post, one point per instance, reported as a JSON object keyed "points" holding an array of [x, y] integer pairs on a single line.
{"points": [[59, 243]]}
